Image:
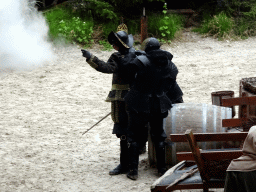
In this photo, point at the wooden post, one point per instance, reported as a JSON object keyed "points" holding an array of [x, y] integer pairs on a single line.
{"points": [[54, 2], [244, 112], [43, 3], [144, 26]]}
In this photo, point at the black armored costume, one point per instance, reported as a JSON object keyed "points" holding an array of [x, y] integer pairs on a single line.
{"points": [[121, 83], [149, 99]]}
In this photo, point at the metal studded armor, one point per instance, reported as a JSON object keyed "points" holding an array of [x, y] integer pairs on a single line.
{"points": [[156, 75]]}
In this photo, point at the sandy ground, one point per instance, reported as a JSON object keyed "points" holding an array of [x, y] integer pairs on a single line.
{"points": [[44, 112]]}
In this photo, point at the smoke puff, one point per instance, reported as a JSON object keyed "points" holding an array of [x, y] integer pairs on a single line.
{"points": [[23, 36]]}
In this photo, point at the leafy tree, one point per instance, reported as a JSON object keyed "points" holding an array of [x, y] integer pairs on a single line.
{"points": [[109, 9], [246, 8]]}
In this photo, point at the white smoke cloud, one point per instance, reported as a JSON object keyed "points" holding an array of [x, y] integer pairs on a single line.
{"points": [[23, 36]]}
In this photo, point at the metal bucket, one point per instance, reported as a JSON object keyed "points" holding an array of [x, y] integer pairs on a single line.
{"points": [[201, 118]]}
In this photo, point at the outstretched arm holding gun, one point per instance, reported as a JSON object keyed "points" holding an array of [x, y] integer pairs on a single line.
{"points": [[86, 54]]}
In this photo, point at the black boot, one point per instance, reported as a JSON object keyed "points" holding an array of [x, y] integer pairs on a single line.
{"points": [[160, 158], [123, 166], [133, 160]]}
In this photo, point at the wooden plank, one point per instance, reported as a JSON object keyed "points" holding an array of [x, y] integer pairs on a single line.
{"points": [[197, 155], [211, 155], [222, 136], [233, 122], [188, 156], [239, 101], [219, 155], [182, 186], [181, 11], [178, 138]]}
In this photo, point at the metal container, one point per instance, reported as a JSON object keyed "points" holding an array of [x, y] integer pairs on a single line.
{"points": [[201, 118]]}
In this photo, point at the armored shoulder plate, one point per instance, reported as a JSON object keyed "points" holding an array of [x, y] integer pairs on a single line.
{"points": [[143, 59], [139, 52]]}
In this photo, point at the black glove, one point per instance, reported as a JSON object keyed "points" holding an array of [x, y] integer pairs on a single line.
{"points": [[86, 54]]}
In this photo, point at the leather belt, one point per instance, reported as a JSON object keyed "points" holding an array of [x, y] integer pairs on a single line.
{"points": [[120, 87]]}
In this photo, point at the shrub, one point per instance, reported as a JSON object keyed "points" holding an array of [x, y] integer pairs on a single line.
{"points": [[106, 45], [245, 27], [165, 25], [53, 18], [63, 23], [97, 9], [76, 30], [220, 25]]}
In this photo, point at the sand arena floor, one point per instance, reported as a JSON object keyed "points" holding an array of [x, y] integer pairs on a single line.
{"points": [[44, 112]]}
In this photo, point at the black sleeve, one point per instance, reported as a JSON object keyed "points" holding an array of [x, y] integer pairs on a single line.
{"points": [[111, 66], [132, 66]]}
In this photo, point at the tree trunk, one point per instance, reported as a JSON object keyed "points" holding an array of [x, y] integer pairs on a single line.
{"points": [[43, 3], [54, 2]]}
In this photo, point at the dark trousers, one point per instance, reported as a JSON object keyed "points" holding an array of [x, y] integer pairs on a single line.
{"points": [[136, 136], [137, 129], [237, 181]]}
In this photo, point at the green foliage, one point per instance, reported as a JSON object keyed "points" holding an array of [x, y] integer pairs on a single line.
{"points": [[130, 9], [237, 7], [63, 24], [165, 26], [220, 25], [97, 9], [133, 26], [108, 27], [244, 13], [165, 31], [245, 27], [76, 30], [240, 13], [107, 46], [53, 18], [106, 10]]}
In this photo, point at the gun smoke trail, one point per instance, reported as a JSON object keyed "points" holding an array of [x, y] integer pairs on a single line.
{"points": [[23, 36]]}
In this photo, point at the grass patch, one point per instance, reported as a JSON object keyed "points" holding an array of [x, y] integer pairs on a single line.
{"points": [[219, 26], [106, 45], [158, 25], [245, 27], [225, 27]]}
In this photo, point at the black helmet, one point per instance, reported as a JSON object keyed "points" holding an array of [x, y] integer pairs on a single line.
{"points": [[122, 37], [150, 44]]}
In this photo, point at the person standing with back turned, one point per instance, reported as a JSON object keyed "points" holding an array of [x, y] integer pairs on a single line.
{"points": [[147, 101]]}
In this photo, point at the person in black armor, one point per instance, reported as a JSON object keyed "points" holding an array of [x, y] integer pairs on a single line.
{"points": [[149, 100], [121, 83]]}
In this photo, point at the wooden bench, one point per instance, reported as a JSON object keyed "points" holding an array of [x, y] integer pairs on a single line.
{"points": [[211, 164], [207, 168]]}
